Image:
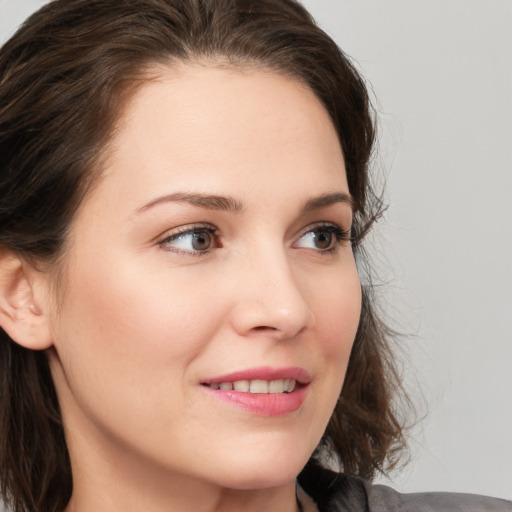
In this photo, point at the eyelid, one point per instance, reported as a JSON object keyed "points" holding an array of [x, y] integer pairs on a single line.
{"points": [[173, 234], [341, 234], [326, 225]]}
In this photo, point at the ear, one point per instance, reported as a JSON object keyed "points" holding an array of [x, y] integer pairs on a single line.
{"points": [[21, 314]]}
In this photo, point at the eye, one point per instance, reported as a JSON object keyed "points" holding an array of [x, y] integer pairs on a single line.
{"points": [[193, 240], [324, 238]]}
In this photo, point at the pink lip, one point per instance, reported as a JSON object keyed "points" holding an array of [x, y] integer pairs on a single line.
{"points": [[263, 373], [263, 404]]}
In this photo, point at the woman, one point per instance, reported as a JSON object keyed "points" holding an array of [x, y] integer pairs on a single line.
{"points": [[184, 190]]}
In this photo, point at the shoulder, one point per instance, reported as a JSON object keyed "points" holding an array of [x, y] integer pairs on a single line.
{"points": [[335, 492], [385, 499]]}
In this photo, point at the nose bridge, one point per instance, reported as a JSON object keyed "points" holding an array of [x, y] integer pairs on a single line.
{"points": [[270, 299]]}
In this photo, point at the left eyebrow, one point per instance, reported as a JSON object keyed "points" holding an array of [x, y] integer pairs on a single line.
{"points": [[209, 202], [329, 199]]}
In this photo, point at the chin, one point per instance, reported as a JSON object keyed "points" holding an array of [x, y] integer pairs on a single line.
{"points": [[264, 470], [262, 479]]}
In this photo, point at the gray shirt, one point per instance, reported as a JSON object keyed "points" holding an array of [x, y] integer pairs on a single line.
{"points": [[320, 490]]}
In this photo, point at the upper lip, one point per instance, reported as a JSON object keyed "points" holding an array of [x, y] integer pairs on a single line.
{"points": [[263, 373]]}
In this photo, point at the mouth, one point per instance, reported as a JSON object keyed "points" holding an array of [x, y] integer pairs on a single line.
{"points": [[263, 391]]}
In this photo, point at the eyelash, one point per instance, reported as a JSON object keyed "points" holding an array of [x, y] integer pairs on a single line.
{"points": [[340, 235], [191, 230]]}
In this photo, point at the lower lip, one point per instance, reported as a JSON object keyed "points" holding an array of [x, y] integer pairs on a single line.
{"points": [[263, 404]]}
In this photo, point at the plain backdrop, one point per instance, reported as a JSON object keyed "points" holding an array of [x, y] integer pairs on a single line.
{"points": [[441, 73]]}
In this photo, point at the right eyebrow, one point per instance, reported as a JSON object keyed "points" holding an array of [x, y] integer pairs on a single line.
{"points": [[328, 199], [206, 201]]}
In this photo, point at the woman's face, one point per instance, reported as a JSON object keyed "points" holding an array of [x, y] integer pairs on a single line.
{"points": [[212, 253]]}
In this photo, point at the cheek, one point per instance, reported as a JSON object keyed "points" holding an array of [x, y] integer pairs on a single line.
{"points": [[130, 337], [126, 342], [123, 308], [338, 310]]}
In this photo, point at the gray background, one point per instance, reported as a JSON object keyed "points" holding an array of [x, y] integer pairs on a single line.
{"points": [[441, 73]]}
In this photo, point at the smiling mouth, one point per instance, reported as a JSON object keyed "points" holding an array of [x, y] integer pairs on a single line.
{"points": [[256, 386], [263, 391]]}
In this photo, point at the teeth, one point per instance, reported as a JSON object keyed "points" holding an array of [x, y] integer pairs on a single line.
{"points": [[241, 385], [257, 386], [276, 386]]}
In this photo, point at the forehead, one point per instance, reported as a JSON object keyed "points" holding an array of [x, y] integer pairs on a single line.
{"points": [[203, 127], [192, 112]]}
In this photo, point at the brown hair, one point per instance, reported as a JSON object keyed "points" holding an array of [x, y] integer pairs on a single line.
{"points": [[63, 78]]}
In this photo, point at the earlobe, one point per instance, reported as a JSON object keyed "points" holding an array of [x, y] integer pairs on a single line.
{"points": [[21, 315]]}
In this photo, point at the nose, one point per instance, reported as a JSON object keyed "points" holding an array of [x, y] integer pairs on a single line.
{"points": [[269, 300]]}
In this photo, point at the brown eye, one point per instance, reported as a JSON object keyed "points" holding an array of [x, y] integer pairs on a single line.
{"points": [[201, 241], [195, 240], [322, 238]]}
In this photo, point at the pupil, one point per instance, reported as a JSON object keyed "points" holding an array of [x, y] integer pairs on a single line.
{"points": [[201, 241], [323, 240]]}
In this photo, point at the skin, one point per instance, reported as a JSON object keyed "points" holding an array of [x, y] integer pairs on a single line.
{"points": [[142, 321]]}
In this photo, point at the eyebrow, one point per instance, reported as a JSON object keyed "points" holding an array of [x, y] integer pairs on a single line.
{"points": [[230, 204], [329, 199], [207, 201]]}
